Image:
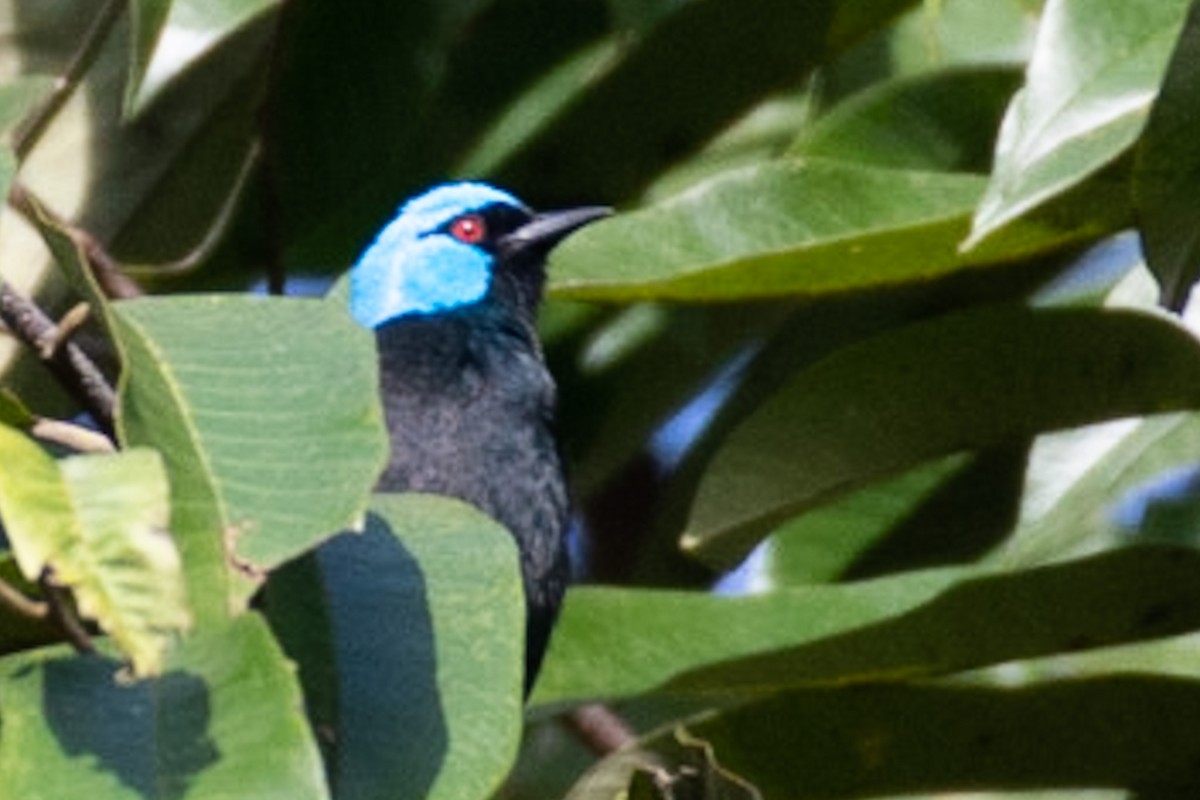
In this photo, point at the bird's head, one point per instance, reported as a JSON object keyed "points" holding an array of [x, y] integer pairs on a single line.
{"points": [[455, 246]]}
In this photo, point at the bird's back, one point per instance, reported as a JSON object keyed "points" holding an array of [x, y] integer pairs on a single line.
{"points": [[470, 408]]}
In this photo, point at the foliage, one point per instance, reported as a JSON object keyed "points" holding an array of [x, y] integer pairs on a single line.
{"points": [[884, 449]]}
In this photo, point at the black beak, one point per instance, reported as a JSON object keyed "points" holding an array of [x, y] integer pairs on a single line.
{"points": [[548, 229]]}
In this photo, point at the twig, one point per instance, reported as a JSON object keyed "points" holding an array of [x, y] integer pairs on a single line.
{"points": [[599, 728], [75, 371], [271, 204], [69, 435], [63, 613], [18, 602], [32, 127], [107, 272]]}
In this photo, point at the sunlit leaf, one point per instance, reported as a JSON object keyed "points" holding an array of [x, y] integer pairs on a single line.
{"points": [[98, 523], [187, 31], [802, 229], [267, 414], [1093, 75], [1167, 171], [225, 720]]}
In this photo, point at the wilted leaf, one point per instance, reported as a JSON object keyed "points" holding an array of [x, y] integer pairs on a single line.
{"points": [[966, 381], [99, 524], [1095, 70], [266, 411], [225, 720]]}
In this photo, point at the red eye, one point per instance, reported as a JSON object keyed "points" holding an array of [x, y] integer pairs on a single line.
{"points": [[469, 229]]}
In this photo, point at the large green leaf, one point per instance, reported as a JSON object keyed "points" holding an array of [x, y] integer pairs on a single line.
{"points": [[419, 671], [1095, 70], [99, 524], [942, 120], [1167, 170], [615, 643], [186, 31], [674, 90], [266, 411], [224, 721], [1118, 732], [955, 383], [789, 228]]}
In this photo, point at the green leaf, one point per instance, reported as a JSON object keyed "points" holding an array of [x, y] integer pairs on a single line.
{"points": [[1116, 464], [224, 721], [135, 170], [1133, 732], [791, 229], [266, 411], [188, 31], [947, 511], [425, 613], [943, 120], [148, 18], [1095, 70], [673, 91], [613, 643], [8, 169], [1166, 172], [955, 383], [18, 97], [99, 523]]}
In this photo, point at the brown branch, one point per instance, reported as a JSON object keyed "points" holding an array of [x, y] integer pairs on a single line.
{"points": [[105, 269], [71, 436], [599, 728], [73, 368], [35, 124], [63, 613], [24, 606]]}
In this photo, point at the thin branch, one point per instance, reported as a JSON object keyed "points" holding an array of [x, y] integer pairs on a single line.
{"points": [[599, 728], [71, 436], [63, 613], [212, 237], [18, 602], [107, 272], [75, 371], [35, 124], [271, 203]]}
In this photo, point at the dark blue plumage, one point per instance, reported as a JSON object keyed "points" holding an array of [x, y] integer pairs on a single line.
{"points": [[452, 287]]}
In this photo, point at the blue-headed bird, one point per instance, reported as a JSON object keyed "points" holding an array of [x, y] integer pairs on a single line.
{"points": [[452, 287]]}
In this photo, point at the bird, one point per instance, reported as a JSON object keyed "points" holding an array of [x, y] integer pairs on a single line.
{"points": [[451, 287]]}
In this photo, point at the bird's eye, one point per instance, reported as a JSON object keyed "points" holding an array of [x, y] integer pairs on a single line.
{"points": [[469, 229]]}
